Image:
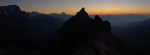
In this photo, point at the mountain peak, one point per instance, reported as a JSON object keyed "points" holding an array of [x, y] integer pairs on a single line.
{"points": [[82, 10], [82, 13], [98, 19], [63, 13], [10, 10]]}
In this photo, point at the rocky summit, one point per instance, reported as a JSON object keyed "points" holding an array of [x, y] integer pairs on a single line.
{"points": [[82, 35]]}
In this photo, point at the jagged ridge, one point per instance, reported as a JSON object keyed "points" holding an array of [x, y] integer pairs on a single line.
{"points": [[82, 31]]}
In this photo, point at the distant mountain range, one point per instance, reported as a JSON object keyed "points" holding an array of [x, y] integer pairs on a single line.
{"points": [[61, 15], [115, 20], [136, 34]]}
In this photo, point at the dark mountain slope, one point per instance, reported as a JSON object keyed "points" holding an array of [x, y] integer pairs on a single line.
{"points": [[82, 35], [138, 35], [23, 33]]}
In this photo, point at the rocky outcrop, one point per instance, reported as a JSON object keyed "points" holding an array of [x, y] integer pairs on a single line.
{"points": [[82, 35], [10, 10]]}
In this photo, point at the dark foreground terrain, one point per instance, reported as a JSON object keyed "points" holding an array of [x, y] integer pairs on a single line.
{"points": [[23, 33]]}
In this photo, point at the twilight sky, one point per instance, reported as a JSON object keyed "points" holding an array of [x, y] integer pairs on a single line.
{"points": [[92, 6]]}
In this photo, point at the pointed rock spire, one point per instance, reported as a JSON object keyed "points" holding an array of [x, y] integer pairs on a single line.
{"points": [[98, 19], [82, 13], [82, 10]]}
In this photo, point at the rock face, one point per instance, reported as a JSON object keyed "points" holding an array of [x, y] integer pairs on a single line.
{"points": [[13, 22], [9, 10], [82, 35]]}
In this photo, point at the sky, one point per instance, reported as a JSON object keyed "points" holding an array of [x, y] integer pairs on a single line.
{"points": [[92, 6]]}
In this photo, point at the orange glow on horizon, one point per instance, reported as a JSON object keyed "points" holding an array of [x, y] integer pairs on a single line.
{"points": [[93, 11], [93, 7]]}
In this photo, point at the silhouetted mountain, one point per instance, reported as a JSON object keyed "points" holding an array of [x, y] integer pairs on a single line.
{"points": [[115, 20], [121, 20], [10, 10], [62, 15], [136, 34], [23, 33], [13, 21], [84, 35], [41, 23]]}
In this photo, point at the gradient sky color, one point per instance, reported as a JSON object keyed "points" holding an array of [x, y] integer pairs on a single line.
{"points": [[92, 6]]}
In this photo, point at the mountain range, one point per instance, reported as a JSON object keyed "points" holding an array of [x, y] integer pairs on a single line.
{"points": [[33, 33]]}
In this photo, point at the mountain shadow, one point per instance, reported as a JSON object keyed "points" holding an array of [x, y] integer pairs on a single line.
{"points": [[82, 35]]}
